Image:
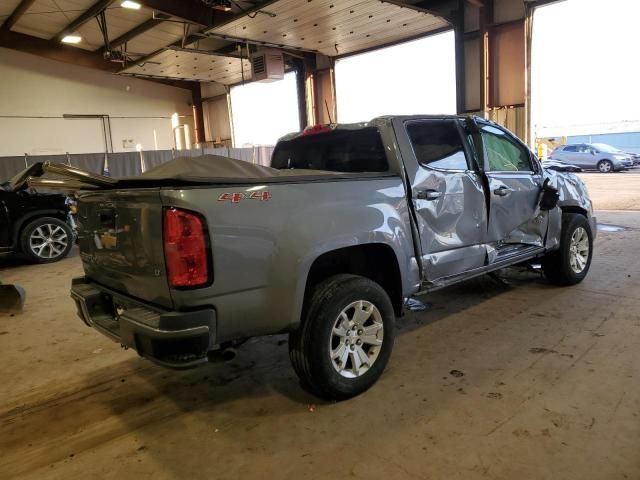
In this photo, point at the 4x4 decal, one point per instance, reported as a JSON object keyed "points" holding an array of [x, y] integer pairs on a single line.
{"points": [[235, 197]]}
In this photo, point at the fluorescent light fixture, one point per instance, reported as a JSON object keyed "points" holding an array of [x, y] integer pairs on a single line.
{"points": [[130, 4], [71, 39]]}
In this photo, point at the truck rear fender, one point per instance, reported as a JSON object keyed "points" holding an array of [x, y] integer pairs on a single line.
{"points": [[376, 261], [386, 257]]}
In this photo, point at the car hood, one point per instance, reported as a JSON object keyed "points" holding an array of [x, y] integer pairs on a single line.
{"points": [[559, 166], [19, 181]]}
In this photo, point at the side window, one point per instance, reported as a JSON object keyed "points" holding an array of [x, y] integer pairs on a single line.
{"points": [[504, 153], [570, 148], [437, 144]]}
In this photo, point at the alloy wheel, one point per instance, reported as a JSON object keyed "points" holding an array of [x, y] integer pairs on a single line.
{"points": [[356, 339], [605, 167], [48, 241], [579, 250]]}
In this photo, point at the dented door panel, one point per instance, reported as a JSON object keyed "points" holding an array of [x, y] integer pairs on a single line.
{"points": [[450, 210], [452, 227], [514, 214]]}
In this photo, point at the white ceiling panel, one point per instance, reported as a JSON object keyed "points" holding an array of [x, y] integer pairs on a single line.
{"points": [[191, 65], [332, 27], [119, 21], [45, 18], [42, 25], [6, 8], [158, 37]]}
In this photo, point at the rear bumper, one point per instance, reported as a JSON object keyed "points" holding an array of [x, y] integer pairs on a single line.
{"points": [[171, 339]]}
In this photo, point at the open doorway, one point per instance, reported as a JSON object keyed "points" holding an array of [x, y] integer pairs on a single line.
{"points": [[264, 111], [585, 106], [416, 77]]}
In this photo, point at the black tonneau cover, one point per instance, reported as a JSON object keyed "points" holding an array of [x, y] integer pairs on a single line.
{"points": [[184, 171]]}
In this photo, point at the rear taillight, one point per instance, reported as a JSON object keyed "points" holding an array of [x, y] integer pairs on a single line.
{"points": [[185, 249]]}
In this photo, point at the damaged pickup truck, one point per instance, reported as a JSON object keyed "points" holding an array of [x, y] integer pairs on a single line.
{"points": [[327, 244]]}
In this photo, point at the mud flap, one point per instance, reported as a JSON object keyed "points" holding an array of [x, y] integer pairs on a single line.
{"points": [[12, 298]]}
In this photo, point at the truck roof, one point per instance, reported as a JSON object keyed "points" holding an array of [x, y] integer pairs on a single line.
{"points": [[375, 122]]}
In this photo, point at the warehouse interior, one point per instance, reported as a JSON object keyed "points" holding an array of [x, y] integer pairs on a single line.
{"points": [[498, 377]]}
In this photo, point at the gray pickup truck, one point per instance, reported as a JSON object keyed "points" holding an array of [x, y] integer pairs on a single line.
{"points": [[191, 258]]}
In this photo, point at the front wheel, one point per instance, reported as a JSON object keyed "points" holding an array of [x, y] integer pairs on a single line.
{"points": [[570, 264], [345, 339], [605, 166], [46, 240]]}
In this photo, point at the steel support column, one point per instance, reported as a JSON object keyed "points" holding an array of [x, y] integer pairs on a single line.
{"points": [[198, 114], [458, 26]]}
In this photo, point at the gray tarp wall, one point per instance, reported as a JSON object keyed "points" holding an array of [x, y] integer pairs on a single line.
{"points": [[127, 164]]}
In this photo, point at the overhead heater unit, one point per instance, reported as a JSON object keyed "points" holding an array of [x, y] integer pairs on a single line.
{"points": [[267, 65]]}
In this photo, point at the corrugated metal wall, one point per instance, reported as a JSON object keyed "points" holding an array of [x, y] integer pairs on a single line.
{"points": [[512, 118]]}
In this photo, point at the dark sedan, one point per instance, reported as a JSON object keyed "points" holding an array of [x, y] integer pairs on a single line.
{"points": [[37, 225]]}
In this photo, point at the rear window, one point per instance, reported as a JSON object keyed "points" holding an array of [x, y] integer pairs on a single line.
{"points": [[337, 151]]}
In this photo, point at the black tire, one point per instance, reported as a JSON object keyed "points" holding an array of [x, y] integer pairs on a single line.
{"points": [[605, 166], [310, 345], [62, 240], [557, 265]]}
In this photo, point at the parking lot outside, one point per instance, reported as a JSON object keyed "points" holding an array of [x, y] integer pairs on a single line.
{"points": [[615, 191]]}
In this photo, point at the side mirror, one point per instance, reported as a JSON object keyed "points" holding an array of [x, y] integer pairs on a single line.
{"points": [[593, 152]]}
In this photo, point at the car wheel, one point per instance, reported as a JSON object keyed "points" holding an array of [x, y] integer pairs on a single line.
{"points": [[605, 166], [570, 264], [46, 240], [345, 338]]}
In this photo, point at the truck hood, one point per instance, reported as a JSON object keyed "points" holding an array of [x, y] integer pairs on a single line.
{"points": [[572, 190]]}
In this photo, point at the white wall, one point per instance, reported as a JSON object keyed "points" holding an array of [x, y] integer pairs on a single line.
{"points": [[32, 87]]}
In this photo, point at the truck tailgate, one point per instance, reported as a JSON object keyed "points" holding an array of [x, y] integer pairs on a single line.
{"points": [[120, 239]]}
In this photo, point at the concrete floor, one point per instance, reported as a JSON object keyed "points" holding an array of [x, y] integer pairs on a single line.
{"points": [[624, 185], [505, 382]]}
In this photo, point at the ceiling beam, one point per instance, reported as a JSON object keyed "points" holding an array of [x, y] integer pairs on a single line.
{"points": [[133, 33], [192, 11], [75, 56], [55, 51], [94, 10], [20, 10]]}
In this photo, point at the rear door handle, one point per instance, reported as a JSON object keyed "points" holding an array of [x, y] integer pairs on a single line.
{"points": [[429, 194], [502, 191]]}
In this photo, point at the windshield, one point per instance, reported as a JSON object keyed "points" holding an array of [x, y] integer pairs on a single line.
{"points": [[603, 147]]}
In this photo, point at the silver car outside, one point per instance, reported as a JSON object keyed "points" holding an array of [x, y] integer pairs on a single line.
{"points": [[596, 156]]}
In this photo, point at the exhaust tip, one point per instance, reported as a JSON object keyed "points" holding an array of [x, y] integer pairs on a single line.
{"points": [[228, 354]]}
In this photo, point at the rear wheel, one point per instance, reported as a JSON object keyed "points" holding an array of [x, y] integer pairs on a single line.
{"points": [[570, 264], [345, 339], [605, 166], [46, 240]]}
